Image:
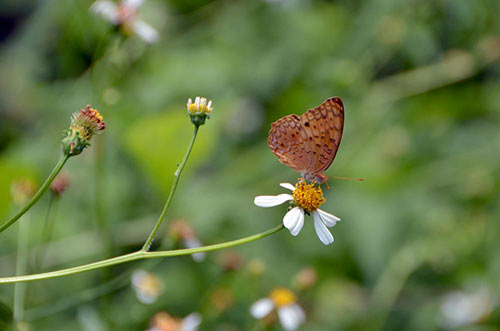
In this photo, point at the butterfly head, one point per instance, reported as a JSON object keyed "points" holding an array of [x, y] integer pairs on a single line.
{"points": [[319, 178]]}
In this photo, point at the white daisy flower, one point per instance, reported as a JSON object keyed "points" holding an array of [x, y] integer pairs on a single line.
{"points": [[306, 199], [290, 314], [147, 286], [164, 322], [460, 308], [125, 15]]}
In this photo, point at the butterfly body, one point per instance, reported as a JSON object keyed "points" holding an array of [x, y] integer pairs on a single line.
{"points": [[308, 143]]}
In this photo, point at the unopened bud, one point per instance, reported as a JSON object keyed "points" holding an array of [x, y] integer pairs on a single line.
{"points": [[59, 185], [22, 190]]}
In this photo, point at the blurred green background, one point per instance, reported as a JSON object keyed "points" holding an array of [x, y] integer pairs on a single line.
{"points": [[418, 246]]}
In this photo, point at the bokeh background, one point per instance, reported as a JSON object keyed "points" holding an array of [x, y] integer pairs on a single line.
{"points": [[418, 247]]}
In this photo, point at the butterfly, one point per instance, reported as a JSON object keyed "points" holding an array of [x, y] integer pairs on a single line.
{"points": [[308, 143]]}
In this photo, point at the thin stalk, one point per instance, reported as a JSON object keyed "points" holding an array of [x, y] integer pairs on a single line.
{"points": [[22, 254], [391, 282], [177, 176], [139, 255], [46, 234], [38, 194], [99, 195], [104, 230]]}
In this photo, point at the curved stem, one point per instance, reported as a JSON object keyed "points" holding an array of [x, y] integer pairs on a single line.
{"points": [[390, 284], [177, 176], [38, 194], [141, 254]]}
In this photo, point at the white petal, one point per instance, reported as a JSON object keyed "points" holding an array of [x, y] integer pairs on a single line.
{"points": [[146, 298], [132, 4], [294, 220], [107, 9], [138, 276], [288, 186], [291, 317], [195, 243], [261, 308], [191, 322], [321, 230], [329, 219], [199, 257], [145, 31], [271, 200]]}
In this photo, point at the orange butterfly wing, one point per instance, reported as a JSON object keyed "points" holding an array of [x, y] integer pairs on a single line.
{"points": [[324, 126], [309, 143], [288, 141]]}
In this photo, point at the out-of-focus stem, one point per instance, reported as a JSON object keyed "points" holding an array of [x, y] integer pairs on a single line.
{"points": [[46, 233], [22, 253], [38, 194]]}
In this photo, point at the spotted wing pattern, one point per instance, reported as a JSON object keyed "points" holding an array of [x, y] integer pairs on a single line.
{"points": [[309, 143]]}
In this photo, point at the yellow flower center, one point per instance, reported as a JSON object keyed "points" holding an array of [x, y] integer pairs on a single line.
{"points": [[150, 285], [282, 297], [200, 106], [308, 196]]}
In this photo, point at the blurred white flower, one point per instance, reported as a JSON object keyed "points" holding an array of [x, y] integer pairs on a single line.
{"points": [[125, 15], [460, 308], [191, 322], [306, 198], [290, 314], [193, 242], [183, 232], [164, 322], [147, 286]]}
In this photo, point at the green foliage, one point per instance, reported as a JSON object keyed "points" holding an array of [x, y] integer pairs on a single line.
{"points": [[5, 317], [420, 81]]}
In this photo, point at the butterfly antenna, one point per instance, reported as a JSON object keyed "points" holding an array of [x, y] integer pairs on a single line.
{"points": [[347, 178]]}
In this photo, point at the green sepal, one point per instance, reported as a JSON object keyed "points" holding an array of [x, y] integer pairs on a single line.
{"points": [[73, 144], [199, 119]]}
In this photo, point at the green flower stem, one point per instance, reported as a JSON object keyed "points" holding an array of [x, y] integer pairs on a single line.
{"points": [[38, 194], [139, 255], [177, 176]]}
